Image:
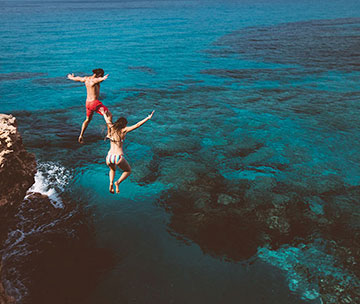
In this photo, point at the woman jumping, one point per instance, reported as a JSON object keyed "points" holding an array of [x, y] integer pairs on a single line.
{"points": [[115, 156]]}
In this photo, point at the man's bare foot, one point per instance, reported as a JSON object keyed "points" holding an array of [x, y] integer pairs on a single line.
{"points": [[111, 188], [117, 187], [81, 140]]}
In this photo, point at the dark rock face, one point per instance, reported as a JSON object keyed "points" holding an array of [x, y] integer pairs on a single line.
{"points": [[4, 298], [17, 170], [17, 166], [48, 252]]}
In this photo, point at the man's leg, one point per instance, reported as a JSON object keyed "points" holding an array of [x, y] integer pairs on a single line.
{"points": [[84, 126]]}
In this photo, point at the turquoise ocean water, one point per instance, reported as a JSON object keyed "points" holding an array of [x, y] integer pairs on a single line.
{"points": [[262, 92]]}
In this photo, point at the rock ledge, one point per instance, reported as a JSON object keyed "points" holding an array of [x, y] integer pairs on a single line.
{"points": [[17, 171], [17, 166]]}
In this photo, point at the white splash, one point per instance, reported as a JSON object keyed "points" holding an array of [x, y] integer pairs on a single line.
{"points": [[50, 179]]}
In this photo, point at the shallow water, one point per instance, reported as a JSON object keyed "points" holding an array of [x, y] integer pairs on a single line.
{"points": [[245, 92]]}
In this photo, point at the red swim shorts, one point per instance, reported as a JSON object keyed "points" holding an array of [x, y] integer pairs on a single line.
{"points": [[95, 106]]}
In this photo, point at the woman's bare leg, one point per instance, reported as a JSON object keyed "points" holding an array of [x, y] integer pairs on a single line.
{"points": [[123, 165], [112, 168]]}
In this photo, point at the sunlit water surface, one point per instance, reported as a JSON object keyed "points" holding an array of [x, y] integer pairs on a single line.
{"points": [[279, 77]]}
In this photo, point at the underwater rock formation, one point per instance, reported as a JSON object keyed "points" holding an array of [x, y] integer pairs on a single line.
{"points": [[305, 43], [239, 220], [276, 207]]}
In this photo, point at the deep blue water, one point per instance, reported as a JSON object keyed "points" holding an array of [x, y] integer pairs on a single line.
{"points": [[277, 78]]}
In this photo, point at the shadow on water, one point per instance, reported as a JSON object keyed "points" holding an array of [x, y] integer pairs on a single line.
{"points": [[20, 76], [51, 256]]}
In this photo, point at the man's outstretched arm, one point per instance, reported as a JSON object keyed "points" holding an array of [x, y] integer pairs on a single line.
{"points": [[100, 79], [76, 78]]}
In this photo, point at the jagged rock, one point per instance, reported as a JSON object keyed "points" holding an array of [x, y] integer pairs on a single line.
{"points": [[17, 171], [17, 166]]}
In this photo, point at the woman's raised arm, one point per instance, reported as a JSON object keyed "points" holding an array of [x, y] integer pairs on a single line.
{"points": [[139, 124]]}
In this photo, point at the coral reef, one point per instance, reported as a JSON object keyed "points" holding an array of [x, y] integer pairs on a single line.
{"points": [[285, 210]]}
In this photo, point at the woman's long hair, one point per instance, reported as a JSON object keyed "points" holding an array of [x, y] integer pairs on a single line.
{"points": [[118, 126]]}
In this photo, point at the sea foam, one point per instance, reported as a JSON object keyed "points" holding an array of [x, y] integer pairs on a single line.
{"points": [[51, 179]]}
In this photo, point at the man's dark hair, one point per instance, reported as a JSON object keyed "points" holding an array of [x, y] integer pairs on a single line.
{"points": [[98, 72]]}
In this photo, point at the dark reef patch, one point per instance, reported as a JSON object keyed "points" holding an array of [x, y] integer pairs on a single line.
{"points": [[52, 81], [232, 219], [256, 190], [20, 76], [318, 44]]}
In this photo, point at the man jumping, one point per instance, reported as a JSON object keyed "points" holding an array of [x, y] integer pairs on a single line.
{"points": [[93, 104]]}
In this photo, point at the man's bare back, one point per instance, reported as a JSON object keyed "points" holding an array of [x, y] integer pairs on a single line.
{"points": [[92, 89], [92, 84]]}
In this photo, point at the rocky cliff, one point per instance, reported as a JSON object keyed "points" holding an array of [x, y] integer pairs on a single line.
{"points": [[17, 170], [17, 166]]}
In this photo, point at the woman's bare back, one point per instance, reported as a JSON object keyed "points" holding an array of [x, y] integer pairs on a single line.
{"points": [[116, 141]]}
